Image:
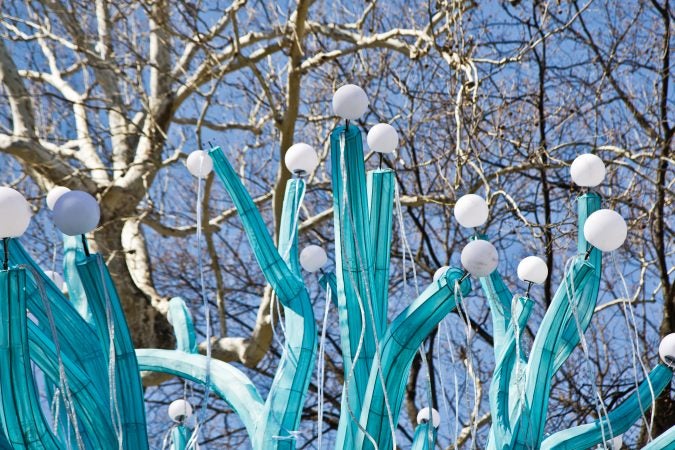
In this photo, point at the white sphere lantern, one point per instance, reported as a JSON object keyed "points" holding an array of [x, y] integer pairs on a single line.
{"points": [[587, 170], [56, 278], [616, 443], [667, 350], [180, 410], [605, 230], [532, 269], [382, 138], [301, 159], [350, 102], [440, 272], [471, 210], [199, 164], [313, 258], [54, 195], [15, 213], [427, 414], [479, 258], [76, 212]]}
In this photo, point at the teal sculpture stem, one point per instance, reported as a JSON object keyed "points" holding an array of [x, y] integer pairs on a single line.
{"points": [[179, 437], [361, 317], [108, 315], [398, 347], [226, 381], [664, 442], [183, 329], [73, 252], [22, 420], [425, 436], [283, 406], [503, 388], [558, 334], [619, 420]]}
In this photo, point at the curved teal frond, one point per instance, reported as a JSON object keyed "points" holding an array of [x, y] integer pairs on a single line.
{"points": [[73, 252], [283, 406], [23, 423], [425, 437], [619, 420], [183, 328], [229, 383], [91, 407], [104, 301], [664, 442], [398, 347], [74, 333], [528, 426]]}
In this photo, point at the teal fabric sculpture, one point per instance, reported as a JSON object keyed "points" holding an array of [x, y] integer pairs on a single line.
{"points": [[83, 347]]}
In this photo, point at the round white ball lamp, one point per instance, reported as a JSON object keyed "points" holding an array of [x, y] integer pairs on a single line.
{"points": [[54, 195], [440, 272], [301, 159], [667, 350], [350, 102], [532, 269], [199, 164], [382, 138], [180, 410], [56, 278], [616, 443], [587, 170], [471, 210], [605, 230], [313, 258], [479, 258], [76, 213], [15, 213], [427, 414]]}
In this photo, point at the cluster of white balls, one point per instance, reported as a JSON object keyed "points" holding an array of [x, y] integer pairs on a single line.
{"points": [[75, 212]]}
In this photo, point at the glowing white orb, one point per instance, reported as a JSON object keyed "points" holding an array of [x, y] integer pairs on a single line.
{"points": [[667, 350], [423, 416], [313, 258], [54, 195], [533, 269], [199, 163], [76, 212], [587, 170], [479, 258], [382, 138], [301, 159], [15, 213], [605, 230], [471, 211], [350, 102], [180, 410]]}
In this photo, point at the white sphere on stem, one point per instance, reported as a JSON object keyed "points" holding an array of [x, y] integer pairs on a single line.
{"points": [[605, 230], [54, 195], [56, 278], [180, 410], [15, 213], [440, 272], [667, 350], [587, 170], [313, 258], [199, 163], [532, 269], [382, 138], [471, 210], [479, 258], [616, 443], [76, 213], [301, 159], [350, 102], [427, 414]]}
